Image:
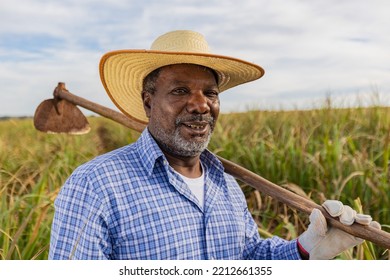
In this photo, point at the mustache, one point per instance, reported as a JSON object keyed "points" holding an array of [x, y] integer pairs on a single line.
{"points": [[195, 118]]}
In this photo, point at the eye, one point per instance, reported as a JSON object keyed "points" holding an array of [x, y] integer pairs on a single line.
{"points": [[180, 91], [213, 94]]}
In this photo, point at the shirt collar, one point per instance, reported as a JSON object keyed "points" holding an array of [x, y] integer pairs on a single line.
{"points": [[151, 152], [148, 150]]}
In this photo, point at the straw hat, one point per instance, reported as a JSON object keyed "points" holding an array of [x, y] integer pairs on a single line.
{"points": [[122, 72]]}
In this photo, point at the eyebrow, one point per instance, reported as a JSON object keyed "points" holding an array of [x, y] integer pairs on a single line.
{"points": [[185, 82]]}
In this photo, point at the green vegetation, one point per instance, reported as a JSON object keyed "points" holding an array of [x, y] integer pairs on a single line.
{"points": [[322, 154]]}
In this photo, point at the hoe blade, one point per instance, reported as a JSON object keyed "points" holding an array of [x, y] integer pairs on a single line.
{"points": [[60, 116]]}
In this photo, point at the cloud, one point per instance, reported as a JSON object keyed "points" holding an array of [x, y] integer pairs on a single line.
{"points": [[308, 48]]}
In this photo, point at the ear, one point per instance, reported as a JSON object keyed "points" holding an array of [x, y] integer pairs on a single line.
{"points": [[147, 100]]}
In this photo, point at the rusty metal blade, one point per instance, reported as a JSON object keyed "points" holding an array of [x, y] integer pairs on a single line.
{"points": [[60, 116]]}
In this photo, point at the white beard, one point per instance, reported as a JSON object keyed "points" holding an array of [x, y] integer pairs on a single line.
{"points": [[175, 144]]}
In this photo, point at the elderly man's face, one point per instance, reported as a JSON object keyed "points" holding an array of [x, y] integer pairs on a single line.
{"points": [[183, 110]]}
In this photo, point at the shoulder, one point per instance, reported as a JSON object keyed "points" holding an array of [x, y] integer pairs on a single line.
{"points": [[98, 172], [129, 161], [124, 157], [116, 169]]}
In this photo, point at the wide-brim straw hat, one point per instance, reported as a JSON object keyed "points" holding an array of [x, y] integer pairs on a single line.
{"points": [[122, 72]]}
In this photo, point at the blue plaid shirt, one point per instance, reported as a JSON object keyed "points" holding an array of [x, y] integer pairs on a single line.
{"points": [[130, 204]]}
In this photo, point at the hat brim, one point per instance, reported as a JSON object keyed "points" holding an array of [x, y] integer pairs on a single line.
{"points": [[122, 74]]}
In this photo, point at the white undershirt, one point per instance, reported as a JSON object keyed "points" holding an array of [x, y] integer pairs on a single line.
{"points": [[196, 185]]}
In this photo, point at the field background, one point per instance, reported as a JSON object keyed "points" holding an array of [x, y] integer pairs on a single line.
{"points": [[322, 154]]}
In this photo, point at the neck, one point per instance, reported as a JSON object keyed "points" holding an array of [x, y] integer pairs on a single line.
{"points": [[187, 166]]}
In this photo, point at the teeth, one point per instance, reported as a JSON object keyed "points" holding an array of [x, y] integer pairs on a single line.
{"points": [[195, 126]]}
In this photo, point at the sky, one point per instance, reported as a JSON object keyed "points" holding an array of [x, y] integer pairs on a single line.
{"points": [[310, 50]]}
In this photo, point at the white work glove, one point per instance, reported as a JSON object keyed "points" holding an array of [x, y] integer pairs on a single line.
{"points": [[324, 243]]}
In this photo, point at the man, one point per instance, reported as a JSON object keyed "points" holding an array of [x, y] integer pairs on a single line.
{"points": [[166, 196]]}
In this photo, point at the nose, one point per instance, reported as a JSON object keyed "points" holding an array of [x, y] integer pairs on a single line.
{"points": [[197, 103]]}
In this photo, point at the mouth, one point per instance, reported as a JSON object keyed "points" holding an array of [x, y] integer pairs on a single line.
{"points": [[197, 128]]}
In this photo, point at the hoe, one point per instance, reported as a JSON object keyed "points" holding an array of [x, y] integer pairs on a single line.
{"points": [[61, 115]]}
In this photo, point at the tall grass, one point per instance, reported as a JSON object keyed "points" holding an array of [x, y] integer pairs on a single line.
{"points": [[33, 166], [322, 154]]}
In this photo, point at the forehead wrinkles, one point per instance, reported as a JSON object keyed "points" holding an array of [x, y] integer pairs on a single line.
{"points": [[177, 72], [194, 82]]}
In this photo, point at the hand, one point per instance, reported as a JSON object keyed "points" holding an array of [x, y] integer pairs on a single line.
{"points": [[322, 242]]}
